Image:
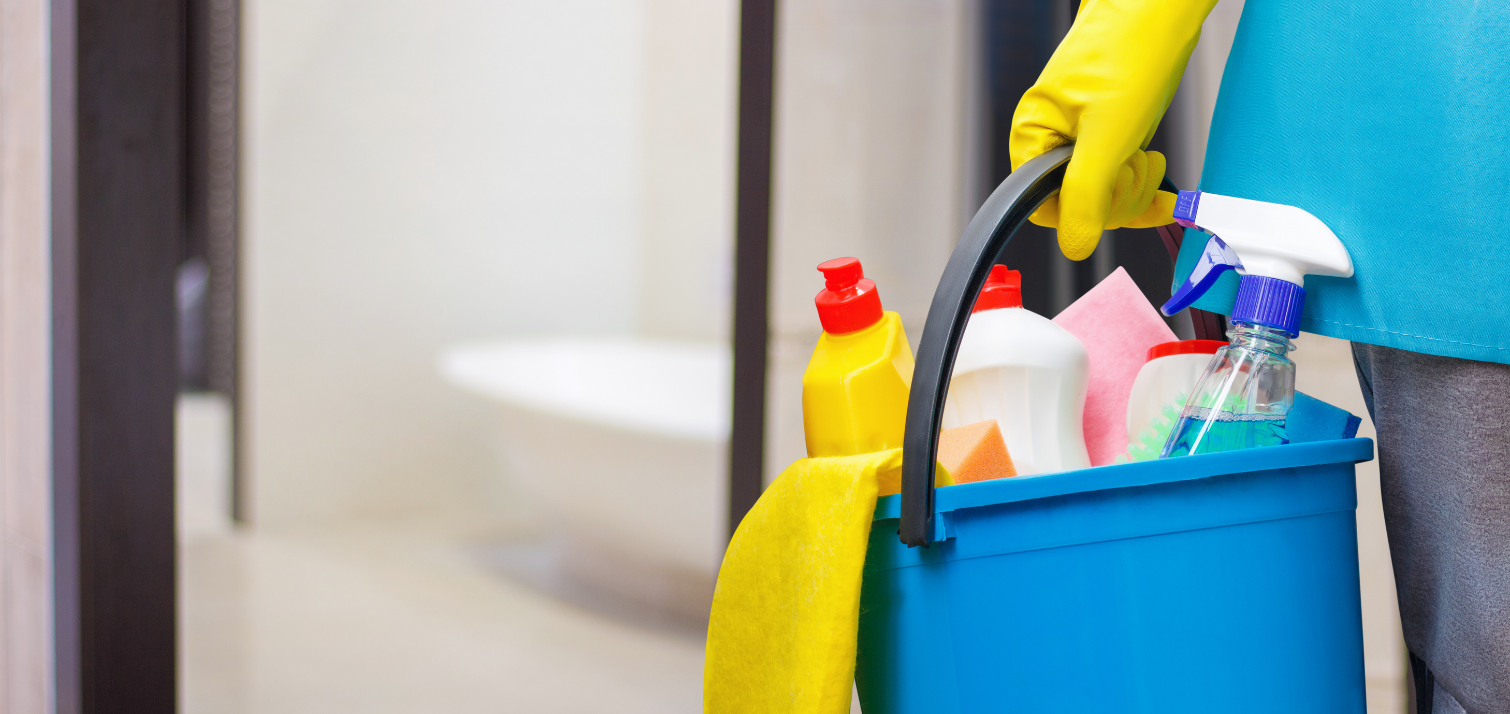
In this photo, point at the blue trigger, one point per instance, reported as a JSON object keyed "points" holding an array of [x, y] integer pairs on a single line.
{"points": [[1216, 259]]}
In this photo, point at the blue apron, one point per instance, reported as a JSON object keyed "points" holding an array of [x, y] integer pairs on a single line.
{"points": [[1390, 121]]}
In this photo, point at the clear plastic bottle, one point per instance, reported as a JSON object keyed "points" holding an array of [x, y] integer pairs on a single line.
{"points": [[1243, 398]]}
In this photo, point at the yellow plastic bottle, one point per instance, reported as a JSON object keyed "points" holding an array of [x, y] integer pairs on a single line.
{"points": [[854, 392]]}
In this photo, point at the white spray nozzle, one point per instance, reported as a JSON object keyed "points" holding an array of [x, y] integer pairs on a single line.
{"points": [[1274, 246], [1256, 238], [1271, 239]]}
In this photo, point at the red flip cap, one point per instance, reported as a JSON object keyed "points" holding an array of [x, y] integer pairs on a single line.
{"points": [[850, 301], [1186, 347], [1003, 288]]}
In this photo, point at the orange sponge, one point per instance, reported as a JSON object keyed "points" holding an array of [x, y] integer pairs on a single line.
{"points": [[975, 452]]}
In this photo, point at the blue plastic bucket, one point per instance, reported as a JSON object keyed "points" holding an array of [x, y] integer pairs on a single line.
{"points": [[1215, 583]]}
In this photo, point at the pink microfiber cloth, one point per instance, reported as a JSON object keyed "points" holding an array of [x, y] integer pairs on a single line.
{"points": [[1117, 325]]}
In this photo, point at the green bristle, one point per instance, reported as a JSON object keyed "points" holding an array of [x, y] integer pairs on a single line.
{"points": [[1150, 443]]}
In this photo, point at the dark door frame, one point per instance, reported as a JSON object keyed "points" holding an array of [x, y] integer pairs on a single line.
{"points": [[212, 206], [752, 255], [126, 184]]}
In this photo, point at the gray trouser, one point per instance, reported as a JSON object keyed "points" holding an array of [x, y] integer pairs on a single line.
{"points": [[1444, 466]]}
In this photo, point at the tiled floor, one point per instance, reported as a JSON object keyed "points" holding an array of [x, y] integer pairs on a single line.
{"points": [[405, 619]]}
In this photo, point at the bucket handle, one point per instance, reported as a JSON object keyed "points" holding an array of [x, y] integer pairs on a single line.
{"points": [[1005, 211]]}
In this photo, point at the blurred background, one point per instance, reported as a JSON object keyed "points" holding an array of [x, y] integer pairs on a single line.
{"points": [[454, 426]]}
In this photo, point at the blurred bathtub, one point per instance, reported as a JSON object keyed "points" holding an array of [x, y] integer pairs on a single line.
{"points": [[623, 443]]}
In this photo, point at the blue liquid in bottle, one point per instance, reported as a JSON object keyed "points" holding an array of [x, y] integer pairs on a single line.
{"points": [[1204, 433], [1243, 398]]}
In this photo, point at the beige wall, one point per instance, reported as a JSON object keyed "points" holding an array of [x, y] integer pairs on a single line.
{"points": [[422, 173], [690, 79], [25, 505], [406, 181], [870, 133]]}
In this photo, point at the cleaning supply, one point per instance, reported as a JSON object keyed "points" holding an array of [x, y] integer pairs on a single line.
{"points": [[1118, 326], [1314, 420], [975, 452], [1161, 388], [1245, 396], [854, 392], [1149, 444], [1105, 89], [786, 609], [1085, 591], [1028, 374]]}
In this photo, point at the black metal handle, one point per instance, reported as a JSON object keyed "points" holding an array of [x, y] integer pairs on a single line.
{"points": [[994, 224]]}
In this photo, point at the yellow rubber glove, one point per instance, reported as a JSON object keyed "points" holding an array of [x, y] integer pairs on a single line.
{"points": [[1106, 88]]}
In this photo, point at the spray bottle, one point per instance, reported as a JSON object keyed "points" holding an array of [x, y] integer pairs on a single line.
{"points": [[1246, 393]]}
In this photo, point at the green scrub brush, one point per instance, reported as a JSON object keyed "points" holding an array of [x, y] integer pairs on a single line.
{"points": [[1150, 443]]}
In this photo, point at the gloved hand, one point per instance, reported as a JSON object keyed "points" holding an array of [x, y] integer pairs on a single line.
{"points": [[1106, 88]]}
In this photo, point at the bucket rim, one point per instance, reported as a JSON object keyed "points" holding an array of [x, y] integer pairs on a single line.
{"points": [[1141, 473]]}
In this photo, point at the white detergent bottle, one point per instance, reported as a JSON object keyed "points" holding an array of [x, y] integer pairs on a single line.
{"points": [[1027, 373], [1245, 395], [1159, 393]]}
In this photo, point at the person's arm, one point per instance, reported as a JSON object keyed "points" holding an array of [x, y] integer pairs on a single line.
{"points": [[1106, 88]]}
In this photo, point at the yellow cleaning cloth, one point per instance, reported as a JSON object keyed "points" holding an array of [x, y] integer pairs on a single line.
{"points": [[786, 611]]}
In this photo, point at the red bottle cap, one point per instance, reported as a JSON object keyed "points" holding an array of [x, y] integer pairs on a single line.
{"points": [[1186, 347], [1003, 288], [850, 302]]}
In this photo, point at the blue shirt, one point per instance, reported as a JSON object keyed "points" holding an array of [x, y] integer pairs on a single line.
{"points": [[1390, 121]]}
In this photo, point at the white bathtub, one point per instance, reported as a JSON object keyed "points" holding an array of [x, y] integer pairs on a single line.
{"points": [[623, 444]]}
